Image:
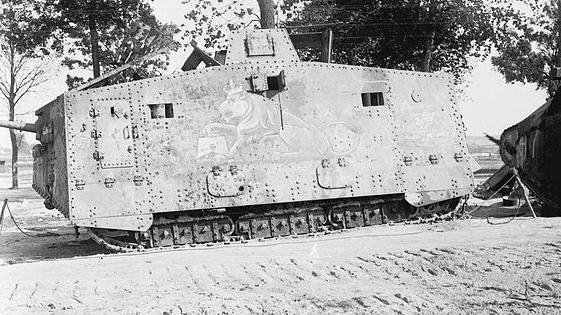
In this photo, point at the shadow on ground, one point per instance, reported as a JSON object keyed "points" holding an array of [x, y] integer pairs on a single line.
{"points": [[46, 242]]}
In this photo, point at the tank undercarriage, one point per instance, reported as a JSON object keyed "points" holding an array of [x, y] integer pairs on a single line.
{"points": [[272, 221]]}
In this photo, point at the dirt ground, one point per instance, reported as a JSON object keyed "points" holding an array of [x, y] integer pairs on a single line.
{"points": [[454, 267]]}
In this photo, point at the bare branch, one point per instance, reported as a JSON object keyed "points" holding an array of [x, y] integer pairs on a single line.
{"points": [[19, 75], [4, 89], [18, 64], [36, 78]]}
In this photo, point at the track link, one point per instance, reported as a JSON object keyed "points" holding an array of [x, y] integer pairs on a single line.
{"points": [[281, 223], [187, 230]]}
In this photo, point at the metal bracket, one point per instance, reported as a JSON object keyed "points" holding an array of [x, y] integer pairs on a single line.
{"points": [[93, 112], [134, 132], [233, 169], [96, 134], [258, 83], [138, 179], [459, 157], [80, 183], [342, 162], [433, 158], [109, 181], [215, 170], [97, 155], [408, 160]]}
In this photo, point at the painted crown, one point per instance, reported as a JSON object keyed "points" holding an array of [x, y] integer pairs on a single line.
{"points": [[232, 88]]}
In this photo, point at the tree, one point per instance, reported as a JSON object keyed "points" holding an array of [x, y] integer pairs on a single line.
{"points": [[267, 10], [21, 47], [529, 45], [211, 22], [105, 34], [420, 35]]}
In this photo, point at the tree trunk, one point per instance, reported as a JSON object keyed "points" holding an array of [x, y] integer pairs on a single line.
{"points": [[558, 59], [14, 141], [429, 46], [94, 36], [553, 84], [12, 114], [429, 42], [267, 8]]}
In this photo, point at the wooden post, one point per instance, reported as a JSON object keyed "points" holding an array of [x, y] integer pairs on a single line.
{"points": [[326, 45], [524, 192]]}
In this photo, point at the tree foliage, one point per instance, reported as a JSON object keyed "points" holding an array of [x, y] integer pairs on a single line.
{"points": [[210, 22], [438, 35], [411, 34], [105, 34], [528, 43]]}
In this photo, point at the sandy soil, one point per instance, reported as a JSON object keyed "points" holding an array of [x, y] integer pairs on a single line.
{"points": [[466, 266]]}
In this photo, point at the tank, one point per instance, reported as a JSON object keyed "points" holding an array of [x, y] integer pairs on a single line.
{"points": [[532, 147], [263, 145]]}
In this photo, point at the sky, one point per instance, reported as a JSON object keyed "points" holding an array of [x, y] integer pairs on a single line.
{"points": [[489, 105]]}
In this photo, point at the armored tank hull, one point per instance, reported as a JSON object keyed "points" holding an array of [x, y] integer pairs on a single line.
{"points": [[265, 145], [532, 147]]}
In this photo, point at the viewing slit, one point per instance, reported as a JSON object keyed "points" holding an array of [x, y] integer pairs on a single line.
{"points": [[164, 110], [372, 99]]}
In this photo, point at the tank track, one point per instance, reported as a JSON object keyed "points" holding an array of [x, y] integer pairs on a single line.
{"points": [[275, 221]]}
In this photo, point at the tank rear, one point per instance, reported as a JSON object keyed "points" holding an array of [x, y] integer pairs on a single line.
{"points": [[264, 132]]}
